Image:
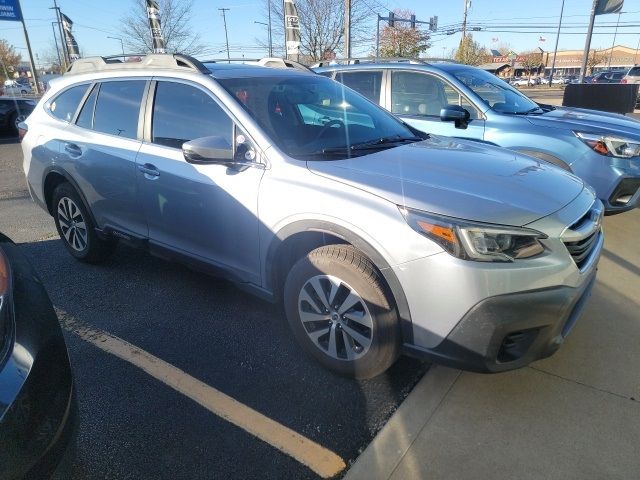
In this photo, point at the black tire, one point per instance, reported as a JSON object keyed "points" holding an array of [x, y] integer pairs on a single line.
{"points": [[354, 272], [14, 120], [82, 243]]}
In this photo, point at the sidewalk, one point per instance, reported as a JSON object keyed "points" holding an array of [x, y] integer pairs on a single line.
{"points": [[575, 415]]}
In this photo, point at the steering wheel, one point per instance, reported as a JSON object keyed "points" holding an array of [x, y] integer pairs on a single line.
{"points": [[327, 126]]}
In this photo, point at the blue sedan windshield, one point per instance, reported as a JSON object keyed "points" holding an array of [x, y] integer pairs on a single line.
{"points": [[498, 95]]}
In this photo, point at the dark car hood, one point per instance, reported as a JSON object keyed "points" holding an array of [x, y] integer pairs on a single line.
{"points": [[459, 178], [590, 121]]}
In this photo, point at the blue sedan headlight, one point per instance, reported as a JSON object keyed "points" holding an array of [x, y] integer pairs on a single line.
{"points": [[610, 145]]}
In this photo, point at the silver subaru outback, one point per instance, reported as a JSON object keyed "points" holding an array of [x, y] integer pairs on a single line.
{"points": [[378, 239]]}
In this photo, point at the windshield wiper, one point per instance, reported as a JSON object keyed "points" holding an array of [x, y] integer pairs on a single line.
{"points": [[527, 112], [384, 141], [377, 144]]}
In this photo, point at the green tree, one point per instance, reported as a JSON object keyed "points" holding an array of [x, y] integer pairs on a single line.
{"points": [[401, 40], [471, 52], [9, 60]]}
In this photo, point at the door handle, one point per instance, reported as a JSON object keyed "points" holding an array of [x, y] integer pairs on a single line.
{"points": [[150, 171], [72, 149]]}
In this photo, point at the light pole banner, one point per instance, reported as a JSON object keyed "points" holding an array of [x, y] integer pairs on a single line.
{"points": [[291, 28], [10, 10], [153, 14], [69, 40], [608, 6]]}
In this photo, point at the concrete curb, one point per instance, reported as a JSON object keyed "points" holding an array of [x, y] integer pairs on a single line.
{"points": [[386, 451]]}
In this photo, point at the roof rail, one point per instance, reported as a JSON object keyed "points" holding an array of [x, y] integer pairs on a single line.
{"points": [[273, 62], [355, 61], [132, 61]]}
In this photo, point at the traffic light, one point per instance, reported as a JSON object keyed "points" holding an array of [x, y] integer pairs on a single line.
{"points": [[392, 19], [433, 23], [413, 22]]}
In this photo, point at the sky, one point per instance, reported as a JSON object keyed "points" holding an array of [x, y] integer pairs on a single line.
{"points": [[95, 20]]}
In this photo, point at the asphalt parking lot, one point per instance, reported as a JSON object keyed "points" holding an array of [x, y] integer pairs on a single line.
{"points": [[181, 375]]}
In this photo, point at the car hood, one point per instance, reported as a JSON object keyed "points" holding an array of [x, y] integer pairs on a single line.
{"points": [[590, 121], [458, 178]]}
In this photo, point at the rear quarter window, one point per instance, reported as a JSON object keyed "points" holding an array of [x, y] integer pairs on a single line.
{"points": [[64, 105]]}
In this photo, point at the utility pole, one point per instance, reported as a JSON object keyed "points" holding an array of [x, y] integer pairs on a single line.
{"points": [[555, 52], [55, 39], [613, 44], [226, 36], [63, 41], [467, 3], [347, 28], [587, 44], [270, 42], [26, 38]]}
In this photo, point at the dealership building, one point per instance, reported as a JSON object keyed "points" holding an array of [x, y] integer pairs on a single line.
{"points": [[568, 62]]}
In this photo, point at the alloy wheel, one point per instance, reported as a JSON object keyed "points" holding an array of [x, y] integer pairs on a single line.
{"points": [[72, 224], [335, 318]]}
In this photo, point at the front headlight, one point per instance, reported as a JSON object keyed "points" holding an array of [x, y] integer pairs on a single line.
{"points": [[476, 241], [610, 145]]}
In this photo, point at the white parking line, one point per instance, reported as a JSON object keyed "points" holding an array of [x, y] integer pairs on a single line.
{"points": [[322, 461]]}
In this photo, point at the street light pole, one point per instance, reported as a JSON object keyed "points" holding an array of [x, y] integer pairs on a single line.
{"points": [[121, 43], [270, 46]]}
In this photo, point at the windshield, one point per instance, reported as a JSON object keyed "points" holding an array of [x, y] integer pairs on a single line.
{"points": [[498, 94], [310, 116]]}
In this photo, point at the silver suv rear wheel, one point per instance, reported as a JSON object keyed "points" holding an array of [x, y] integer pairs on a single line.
{"points": [[75, 226]]}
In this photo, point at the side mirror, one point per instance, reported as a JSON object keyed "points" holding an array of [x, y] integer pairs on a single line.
{"points": [[457, 114], [208, 150]]}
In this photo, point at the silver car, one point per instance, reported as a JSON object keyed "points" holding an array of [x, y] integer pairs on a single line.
{"points": [[378, 239]]}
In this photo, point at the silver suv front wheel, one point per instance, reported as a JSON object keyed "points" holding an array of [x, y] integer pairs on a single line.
{"points": [[339, 312]]}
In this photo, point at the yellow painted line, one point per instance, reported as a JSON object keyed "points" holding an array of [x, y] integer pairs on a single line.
{"points": [[319, 459]]}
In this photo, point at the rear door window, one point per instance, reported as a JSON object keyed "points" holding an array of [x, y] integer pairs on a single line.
{"points": [[64, 106], [118, 108], [366, 83], [85, 119]]}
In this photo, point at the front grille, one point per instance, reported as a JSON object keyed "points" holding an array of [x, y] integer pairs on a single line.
{"points": [[581, 238], [581, 249]]}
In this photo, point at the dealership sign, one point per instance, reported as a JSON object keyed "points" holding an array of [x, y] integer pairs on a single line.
{"points": [[10, 10]]}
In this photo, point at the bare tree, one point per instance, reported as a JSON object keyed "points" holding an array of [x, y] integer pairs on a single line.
{"points": [[401, 40], [322, 26], [594, 59], [9, 59], [470, 52], [175, 19], [531, 62]]}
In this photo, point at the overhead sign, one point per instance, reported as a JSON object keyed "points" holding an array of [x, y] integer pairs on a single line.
{"points": [[10, 10]]}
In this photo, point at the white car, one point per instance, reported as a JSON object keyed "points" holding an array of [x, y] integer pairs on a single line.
{"points": [[11, 87], [522, 82]]}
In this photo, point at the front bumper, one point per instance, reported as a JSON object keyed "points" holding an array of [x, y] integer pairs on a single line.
{"points": [[37, 402], [510, 331]]}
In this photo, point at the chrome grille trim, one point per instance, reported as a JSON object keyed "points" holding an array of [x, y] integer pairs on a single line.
{"points": [[581, 238]]}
